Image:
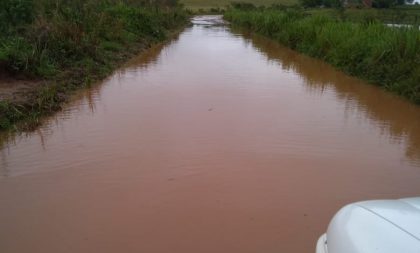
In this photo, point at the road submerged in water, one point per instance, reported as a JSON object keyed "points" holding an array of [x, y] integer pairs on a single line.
{"points": [[219, 141]]}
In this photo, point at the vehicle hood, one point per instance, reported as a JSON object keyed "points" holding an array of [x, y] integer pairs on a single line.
{"points": [[383, 226], [402, 213]]}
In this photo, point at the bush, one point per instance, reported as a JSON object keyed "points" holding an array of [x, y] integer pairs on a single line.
{"points": [[332, 3], [243, 6], [14, 13], [311, 3]]}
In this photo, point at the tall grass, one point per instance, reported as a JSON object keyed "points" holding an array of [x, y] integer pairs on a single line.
{"points": [[388, 57], [395, 15], [41, 37], [70, 42]]}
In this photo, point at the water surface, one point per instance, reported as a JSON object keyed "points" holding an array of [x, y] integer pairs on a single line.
{"points": [[219, 141]]}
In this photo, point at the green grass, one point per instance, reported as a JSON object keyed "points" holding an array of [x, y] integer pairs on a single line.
{"points": [[208, 4], [69, 44], [384, 56], [396, 15]]}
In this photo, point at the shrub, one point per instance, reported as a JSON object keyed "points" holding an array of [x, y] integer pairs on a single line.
{"points": [[14, 13]]}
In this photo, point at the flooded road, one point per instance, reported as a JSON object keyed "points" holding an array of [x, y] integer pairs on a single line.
{"points": [[219, 141]]}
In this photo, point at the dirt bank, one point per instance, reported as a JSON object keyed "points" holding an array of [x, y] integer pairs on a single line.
{"points": [[23, 101]]}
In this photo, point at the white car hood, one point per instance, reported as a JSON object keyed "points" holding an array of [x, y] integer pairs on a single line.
{"points": [[403, 213], [382, 226]]}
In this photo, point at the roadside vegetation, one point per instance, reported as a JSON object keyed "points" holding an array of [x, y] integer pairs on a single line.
{"points": [[67, 44], [394, 15], [388, 9], [363, 47], [219, 5]]}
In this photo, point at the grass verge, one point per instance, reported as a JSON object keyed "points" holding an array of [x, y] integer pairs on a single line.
{"points": [[388, 57], [69, 44]]}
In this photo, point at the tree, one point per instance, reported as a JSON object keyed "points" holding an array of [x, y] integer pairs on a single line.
{"points": [[332, 3], [383, 3], [311, 3]]}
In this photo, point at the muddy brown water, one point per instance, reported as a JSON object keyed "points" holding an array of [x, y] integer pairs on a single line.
{"points": [[219, 141]]}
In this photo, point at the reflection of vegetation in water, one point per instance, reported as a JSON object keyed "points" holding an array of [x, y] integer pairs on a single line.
{"points": [[84, 98], [148, 58], [4, 171], [72, 44], [9, 139], [395, 116], [383, 56]]}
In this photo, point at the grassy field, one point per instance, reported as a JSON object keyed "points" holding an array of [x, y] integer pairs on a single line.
{"points": [[207, 4], [396, 15], [68, 44], [388, 57]]}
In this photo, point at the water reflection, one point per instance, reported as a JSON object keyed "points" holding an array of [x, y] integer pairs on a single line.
{"points": [[83, 102], [217, 142], [4, 171], [392, 115]]}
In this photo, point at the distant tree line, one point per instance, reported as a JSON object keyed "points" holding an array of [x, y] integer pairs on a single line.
{"points": [[329, 4], [342, 3]]}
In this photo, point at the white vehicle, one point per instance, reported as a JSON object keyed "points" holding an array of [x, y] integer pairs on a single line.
{"points": [[380, 226]]}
